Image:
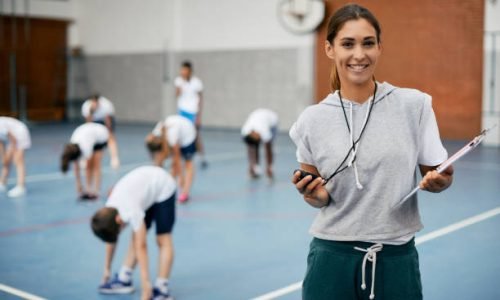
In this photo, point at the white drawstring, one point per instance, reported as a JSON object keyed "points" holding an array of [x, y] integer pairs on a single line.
{"points": [[371, 255], [354, 145]]}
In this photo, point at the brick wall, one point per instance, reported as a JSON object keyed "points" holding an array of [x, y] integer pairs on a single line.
{"points": [[434, 46]]}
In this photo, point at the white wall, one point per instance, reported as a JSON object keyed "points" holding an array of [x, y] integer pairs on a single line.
{"points": [[124, 26], [491, 96], [40, 8], [234, 24], [134, 26]]}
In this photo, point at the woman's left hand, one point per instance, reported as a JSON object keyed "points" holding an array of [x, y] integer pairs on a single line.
{"points": [[437, 182]]}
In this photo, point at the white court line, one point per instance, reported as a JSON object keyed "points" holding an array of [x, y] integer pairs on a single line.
{"points": [[420, 240], [59, 176], [19, 293]]}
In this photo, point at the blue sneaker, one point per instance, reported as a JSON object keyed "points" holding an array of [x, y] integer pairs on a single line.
{"points": [[115, 286], [158, 295]]}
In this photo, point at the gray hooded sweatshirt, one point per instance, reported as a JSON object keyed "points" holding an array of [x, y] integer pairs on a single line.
{"points": [[400, 135]]}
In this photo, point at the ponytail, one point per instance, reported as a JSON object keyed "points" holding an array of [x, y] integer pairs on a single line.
{"points": [[334, 78], [71, 152]]}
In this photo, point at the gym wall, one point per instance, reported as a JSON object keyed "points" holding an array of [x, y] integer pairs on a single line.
{"points": [[238, 48], [434, 46]]}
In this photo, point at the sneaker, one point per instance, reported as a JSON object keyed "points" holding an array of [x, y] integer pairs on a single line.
{"points": [[3, 188], [17, 191], [183, 198], [115, 286], [158, 295], [88, 197]]}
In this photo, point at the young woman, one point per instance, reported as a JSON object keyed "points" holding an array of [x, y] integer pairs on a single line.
{"points": [[260, 127], [87, 142], [188, 90], [365, 141], [177, 136], [14, 139], [100, 110]]}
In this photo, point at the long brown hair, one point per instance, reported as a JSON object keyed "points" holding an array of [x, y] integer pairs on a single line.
{"points": [[71, 152], [337, 20]]}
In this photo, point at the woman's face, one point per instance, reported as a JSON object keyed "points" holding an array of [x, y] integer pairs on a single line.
{"points": [[355, 52]]}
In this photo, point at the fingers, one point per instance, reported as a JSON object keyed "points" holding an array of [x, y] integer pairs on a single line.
{"points": [[306, 186], [448, 171], [435, 182]]}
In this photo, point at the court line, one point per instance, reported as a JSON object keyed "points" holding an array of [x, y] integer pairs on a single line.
{"points": [[19, 293], [181, 213], [418, 241], [59, 176]]}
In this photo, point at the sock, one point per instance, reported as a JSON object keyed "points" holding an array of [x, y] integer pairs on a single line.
{"points": [[125, 274], [162, 285]]}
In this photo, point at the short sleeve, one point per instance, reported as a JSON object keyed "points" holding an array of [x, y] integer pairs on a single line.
{"points": [[303, 153], [136, 220], [266, 135], [431, 151], [178, 82], [86, 109], [199, 86], [3, 134], [173, 135], [157, 130]]}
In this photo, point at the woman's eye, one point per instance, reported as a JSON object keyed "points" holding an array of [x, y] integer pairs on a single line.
{"points": [[369, 44], [347, 45]]}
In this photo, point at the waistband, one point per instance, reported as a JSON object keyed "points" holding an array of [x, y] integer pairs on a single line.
{"points": [[348, 247]]}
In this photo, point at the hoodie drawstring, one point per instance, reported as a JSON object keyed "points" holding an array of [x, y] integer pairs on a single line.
{"points": [[371, 255], [355, 145]]}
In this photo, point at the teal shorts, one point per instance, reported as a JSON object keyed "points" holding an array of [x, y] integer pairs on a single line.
{"points": [[334, 271]]}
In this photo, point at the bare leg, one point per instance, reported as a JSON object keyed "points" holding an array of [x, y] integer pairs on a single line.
{"points": [[200, 149], [89, 174], [97, 157], [166, 255], [6, 160], [187, 176], [20, 167]]}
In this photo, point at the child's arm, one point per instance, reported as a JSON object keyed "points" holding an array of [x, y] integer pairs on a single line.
{"points": [[110, 251], [269, 158], [9, 151], [141, 250]]}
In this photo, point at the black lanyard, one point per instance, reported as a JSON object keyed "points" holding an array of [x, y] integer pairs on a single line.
{"points": [[342, 167]]}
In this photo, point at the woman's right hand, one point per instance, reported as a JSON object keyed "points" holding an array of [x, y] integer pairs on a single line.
{"points": [[313, 191]]}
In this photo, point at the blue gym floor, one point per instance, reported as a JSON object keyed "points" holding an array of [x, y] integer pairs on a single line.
{"points": [[236, 238]]}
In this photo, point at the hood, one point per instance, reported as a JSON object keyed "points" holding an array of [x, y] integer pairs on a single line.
{"points": [[383, 89]]}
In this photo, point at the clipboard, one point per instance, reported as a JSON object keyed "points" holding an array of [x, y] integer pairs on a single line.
{"points": [[452, 159]]}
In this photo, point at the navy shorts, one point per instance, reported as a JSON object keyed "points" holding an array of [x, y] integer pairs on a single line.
{"points": [[100, 146], [163, 214], [188, 152], [102, 122]]}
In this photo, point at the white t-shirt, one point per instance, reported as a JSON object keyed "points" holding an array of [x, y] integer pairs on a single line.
{"points": [[189, 97], [180, 130], [104, 108], [263, 121], [138, 190], [87, 135], [17, 129]]}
